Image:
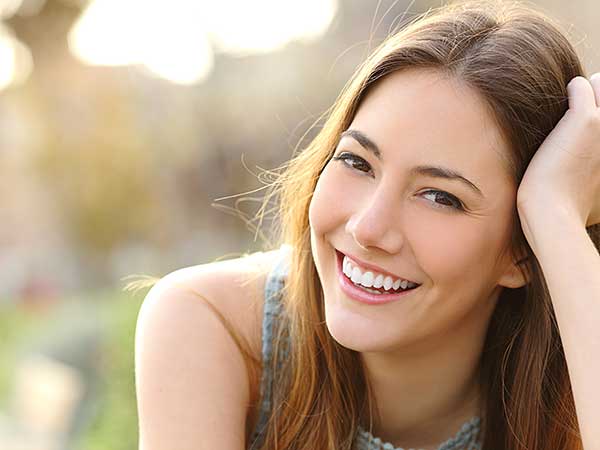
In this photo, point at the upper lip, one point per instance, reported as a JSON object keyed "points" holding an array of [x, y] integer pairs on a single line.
{"points": [[373, 267]]}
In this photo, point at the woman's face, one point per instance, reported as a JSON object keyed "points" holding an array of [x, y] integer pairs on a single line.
{"points": [[410, 223]]}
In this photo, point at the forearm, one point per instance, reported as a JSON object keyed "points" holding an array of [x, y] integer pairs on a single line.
{"points": [[571, 267]]}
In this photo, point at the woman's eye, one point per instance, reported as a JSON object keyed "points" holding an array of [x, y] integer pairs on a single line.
{"points": [[355, 161], [450, 200]]}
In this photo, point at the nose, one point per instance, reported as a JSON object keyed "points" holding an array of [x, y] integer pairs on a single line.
{"points": [[377, 224]]}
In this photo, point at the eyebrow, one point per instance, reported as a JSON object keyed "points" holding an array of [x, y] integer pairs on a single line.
{"points": [[424, 170]]}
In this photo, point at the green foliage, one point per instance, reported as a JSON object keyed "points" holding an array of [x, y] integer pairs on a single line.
{"points": [[115, 423], [112, 419]]}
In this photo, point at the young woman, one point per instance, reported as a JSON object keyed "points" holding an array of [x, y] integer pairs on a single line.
{"points": [[436, 282]]}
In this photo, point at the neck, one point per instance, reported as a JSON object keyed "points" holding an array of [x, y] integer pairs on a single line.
{"points": [[424, 395]]}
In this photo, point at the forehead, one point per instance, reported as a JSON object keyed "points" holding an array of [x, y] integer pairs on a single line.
{"points": [[432, 117]]}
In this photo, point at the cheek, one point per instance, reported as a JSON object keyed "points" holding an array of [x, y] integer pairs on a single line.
{"points": [[326, 203], [459, 249]]}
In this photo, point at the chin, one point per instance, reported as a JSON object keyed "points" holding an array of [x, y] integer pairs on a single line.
{"points": [[352, 341], [356, 332]]}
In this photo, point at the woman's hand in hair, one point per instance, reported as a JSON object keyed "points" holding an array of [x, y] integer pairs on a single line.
{"points": [[558, 197], [563, 177]]}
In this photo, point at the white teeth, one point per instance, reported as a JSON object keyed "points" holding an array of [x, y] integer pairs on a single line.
{"points": [[387, 283], [372, 291], [369, 279], [356, 275], [378, 281], [348, 270]]}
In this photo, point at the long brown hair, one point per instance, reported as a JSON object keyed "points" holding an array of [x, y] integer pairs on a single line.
{"points": [[520, 62]]}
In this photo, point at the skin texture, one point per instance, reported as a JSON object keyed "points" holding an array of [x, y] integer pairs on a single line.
{"points": [[421, 353]]}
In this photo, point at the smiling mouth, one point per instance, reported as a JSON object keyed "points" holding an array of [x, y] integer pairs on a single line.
{"points": [[376, 296], [341, 256]]}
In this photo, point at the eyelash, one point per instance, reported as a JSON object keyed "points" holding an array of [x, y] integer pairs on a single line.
{"points": [[352, 157]]}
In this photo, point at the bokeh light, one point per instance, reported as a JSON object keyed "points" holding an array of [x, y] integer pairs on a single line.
{"points": [[15, 59], [176, 40]]}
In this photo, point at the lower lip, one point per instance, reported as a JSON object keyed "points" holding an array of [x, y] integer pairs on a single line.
{"points": [[363, 296]]}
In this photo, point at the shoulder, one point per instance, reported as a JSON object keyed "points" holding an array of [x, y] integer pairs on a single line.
{"points": [[185, 359], [234, 287]]}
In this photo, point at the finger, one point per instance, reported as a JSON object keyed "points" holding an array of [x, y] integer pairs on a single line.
{"points": [[595, 80], [581, 95]]}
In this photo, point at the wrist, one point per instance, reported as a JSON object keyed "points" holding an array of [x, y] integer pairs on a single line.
{"points": [[546, 225]]}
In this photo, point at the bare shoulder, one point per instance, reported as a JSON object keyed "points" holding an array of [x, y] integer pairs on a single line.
{"points": [[235, 287], [189, 373]]}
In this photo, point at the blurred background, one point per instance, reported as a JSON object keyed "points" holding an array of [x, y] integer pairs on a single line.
{"points": [[127, 128]]}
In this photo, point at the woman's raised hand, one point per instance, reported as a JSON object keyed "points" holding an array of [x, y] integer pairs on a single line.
{"points": [[563, 177]]}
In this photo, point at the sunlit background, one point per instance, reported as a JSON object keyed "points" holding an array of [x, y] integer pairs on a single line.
{"points": [[126, 126]]}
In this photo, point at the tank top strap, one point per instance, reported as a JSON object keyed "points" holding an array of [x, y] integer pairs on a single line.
{"points": [[274, 284]]}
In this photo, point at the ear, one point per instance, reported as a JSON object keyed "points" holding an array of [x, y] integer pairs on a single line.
{"points": [[512, 276]]}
